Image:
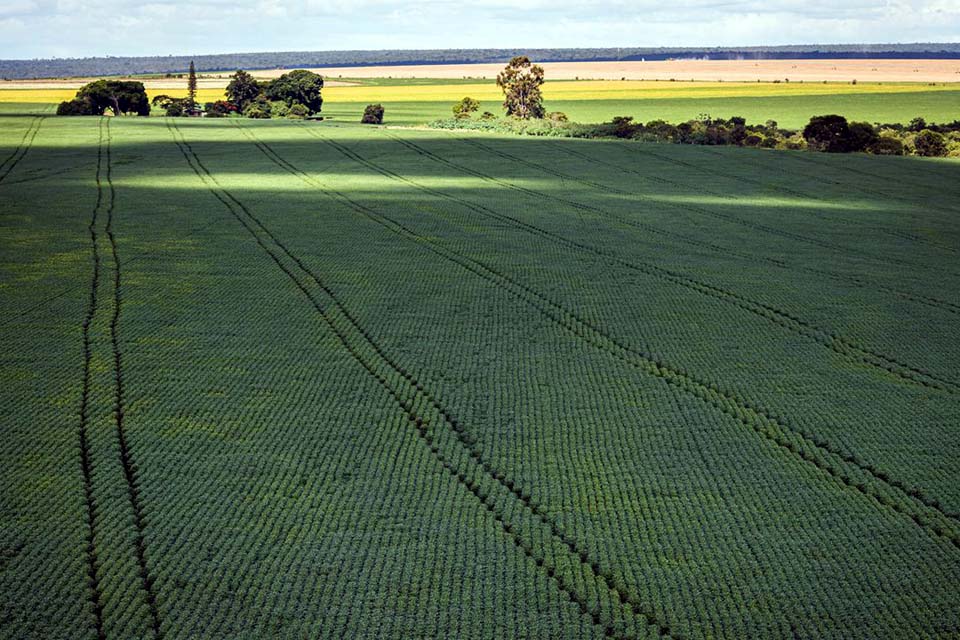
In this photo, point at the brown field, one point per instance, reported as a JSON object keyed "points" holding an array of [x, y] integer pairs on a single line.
{"points": [[726, 70]]}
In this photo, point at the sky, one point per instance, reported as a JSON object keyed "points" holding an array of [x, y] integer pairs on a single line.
{"points": [[76, 28]]}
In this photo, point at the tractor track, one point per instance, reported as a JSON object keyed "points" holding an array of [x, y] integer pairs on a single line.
{"points": [[22, 149], [413, 387], [810, 447]]}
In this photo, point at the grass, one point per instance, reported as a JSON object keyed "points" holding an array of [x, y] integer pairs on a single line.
{"points": [[268, 378], [418, 101]]}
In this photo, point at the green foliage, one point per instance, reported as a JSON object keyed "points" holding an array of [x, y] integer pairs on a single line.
{"points": [[242, 89], [930, 144], [887, 146], [76, 107], [828, 133], [298, 111], [520, 82], [373, 114], [272, 380], [297, 87], [220, 109], [465, 107], [191, 103], [120, 96]]}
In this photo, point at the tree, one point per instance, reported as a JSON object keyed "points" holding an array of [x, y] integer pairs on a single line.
{"points": [[828, 133], [373, 114], [930, 144], [465, 107], [297, 87], [862, 136], [191, 104], [119, 96], [75, 107], [520, 82], [243, 89]]}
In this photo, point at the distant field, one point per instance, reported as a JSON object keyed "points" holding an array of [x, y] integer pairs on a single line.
{"points": [[321, 380], [886, 70], [411, 102]]}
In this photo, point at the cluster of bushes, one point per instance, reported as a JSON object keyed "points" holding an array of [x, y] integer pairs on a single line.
{"points": [[296, 94], [831, 134]]}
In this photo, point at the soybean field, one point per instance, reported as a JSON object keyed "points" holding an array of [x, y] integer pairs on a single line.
{"points": [[320, 380]]}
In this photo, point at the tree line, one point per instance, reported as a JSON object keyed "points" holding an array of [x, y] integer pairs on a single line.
{"points": [[118, 66]]}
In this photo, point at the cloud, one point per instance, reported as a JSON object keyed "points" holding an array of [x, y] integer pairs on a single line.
{"points": [[44, 28]]}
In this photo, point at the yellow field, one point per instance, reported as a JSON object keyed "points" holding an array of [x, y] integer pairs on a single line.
{"points": [[570, 90], [47, 96]]}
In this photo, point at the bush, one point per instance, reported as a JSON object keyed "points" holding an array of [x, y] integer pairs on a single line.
{"points": [[557, 116], [298, 112], [753, 140], [465, 107], [220, 109], [930, 144], [257, 110], [279, 109], [373, 114], [862, 136], [624, 126], [887, 146], [828, 133], [486, 115], [75, 107]]}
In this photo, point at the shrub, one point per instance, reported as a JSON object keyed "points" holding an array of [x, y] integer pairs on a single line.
{"points": [[75, 107], [298, 112], [862, 136], [220, 108], [486, 115], [624, 126], [373, 114], [557, 116], [886, 146], [930, 144], [828, 133], [753, 140], [279, 108], [465, 107], [257, 110]]}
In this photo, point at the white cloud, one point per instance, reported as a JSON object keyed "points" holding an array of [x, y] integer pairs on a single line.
{"points": [[158, 27]]}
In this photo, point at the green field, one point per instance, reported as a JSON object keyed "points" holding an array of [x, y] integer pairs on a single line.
{"points": [[411, 102], [319, 380]]}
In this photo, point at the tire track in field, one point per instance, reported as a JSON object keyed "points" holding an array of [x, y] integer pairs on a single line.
{"points": [[926, 300], [800, 194], [761, 420], [808, 438], [687, 207], [41, 174], [25, 143], [833, 341], [86, 465], [373, 359], [126, 456]]}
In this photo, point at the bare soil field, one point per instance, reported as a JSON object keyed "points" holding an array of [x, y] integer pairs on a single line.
{"points": [[727, 70]]}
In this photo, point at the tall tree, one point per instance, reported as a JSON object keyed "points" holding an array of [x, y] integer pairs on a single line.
{"points": [[192, 89], [521, 81], [243, 89]]}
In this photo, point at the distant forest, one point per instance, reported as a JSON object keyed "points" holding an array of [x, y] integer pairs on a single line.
{"points": [[115, 66]]}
